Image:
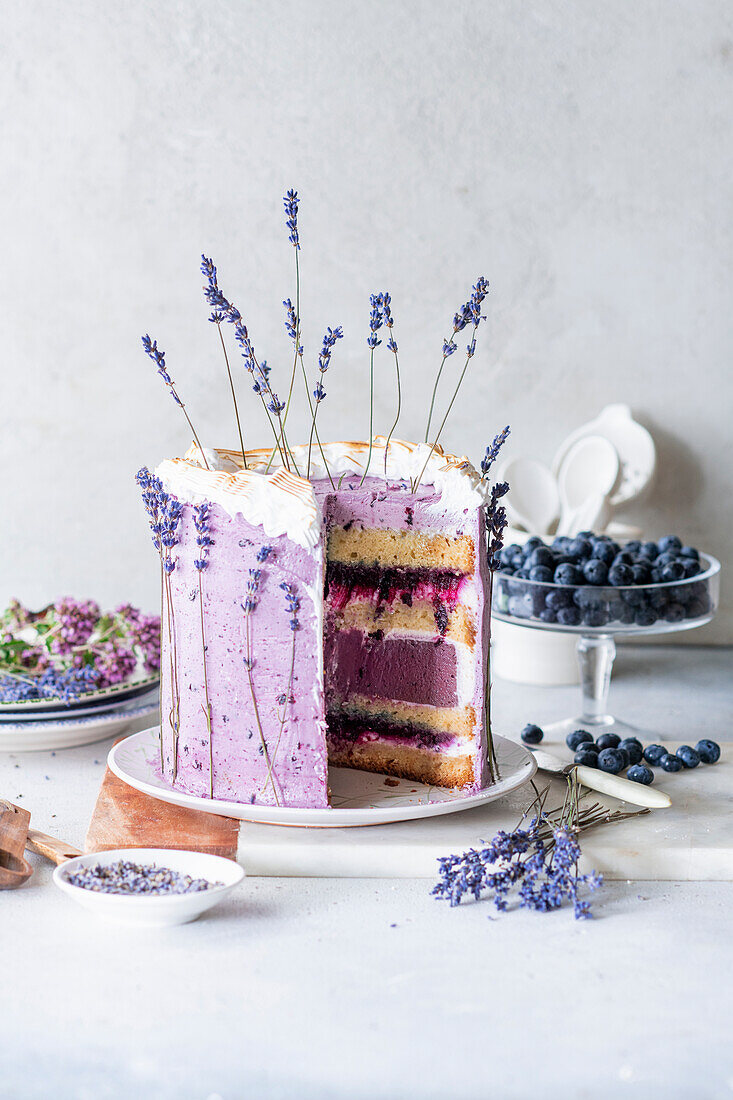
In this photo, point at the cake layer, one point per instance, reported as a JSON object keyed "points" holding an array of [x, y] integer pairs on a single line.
{"points": [[409, 549], [403, 760], [411, 670], [422, 617], [353, 581], [381, 713], [353, 730]]}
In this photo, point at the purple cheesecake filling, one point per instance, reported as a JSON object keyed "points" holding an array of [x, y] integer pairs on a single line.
{"points": [[343, 732], [409, 670]]}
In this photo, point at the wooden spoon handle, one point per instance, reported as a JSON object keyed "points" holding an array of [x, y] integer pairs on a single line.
{"points": [[50, 847]]}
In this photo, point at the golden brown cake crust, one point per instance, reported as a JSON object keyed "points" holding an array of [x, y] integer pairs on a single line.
{"points": [[404, 762]]}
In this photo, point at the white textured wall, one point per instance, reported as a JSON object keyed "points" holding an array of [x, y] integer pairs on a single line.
{"points": [[578, 153]]}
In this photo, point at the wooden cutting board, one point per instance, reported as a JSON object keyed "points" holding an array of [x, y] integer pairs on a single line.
{"points": [[693, 840]]}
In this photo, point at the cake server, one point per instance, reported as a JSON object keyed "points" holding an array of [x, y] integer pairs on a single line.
{"points": [[604, 782]]}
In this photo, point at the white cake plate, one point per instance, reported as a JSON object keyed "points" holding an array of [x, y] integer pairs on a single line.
{"points": [[357, 798], [67, 733]]}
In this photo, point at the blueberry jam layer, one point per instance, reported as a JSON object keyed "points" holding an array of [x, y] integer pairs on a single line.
{"points": [[406, 669], [348, 583], [359, 731]]}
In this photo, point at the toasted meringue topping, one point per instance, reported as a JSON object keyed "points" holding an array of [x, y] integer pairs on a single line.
{"points": [[282, 502]]}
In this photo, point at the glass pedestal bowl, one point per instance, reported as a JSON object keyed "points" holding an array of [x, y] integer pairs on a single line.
{"points": [[599, 614]]}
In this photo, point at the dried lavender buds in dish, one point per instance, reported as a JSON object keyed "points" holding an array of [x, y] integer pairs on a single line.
{"points": [[125, 877]]}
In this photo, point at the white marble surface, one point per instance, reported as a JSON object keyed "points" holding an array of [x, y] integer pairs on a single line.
{"points": [[577, 154], [314, 989]]}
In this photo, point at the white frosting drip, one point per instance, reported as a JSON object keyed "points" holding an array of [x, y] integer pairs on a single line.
{"points": [[284, 504]]}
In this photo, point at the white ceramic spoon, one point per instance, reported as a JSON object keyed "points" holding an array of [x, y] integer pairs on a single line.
{"points": [[587, 477], [533, 499], [634, 446]]}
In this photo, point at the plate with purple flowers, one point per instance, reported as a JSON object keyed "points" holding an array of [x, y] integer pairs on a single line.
{"points": [[357, 798], [69, 731]]}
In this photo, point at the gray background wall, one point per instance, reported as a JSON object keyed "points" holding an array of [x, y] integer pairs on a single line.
{"points": [[577, 153]]}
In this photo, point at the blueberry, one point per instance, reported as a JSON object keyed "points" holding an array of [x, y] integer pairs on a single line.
{"points": [[556, 598], [641, 573], [674, 613], [620, 574], [654, 753], [579, 548], [595, 616], [532, 735], [608, 741], [633, 547], [691, 567], [633, 597], [585, 535], [589, 746], [575, 739], [649, 551], [690, 552], [618, 611], [589, 759], [587, 597], [512, 555], [638, 773], [542, 555], [675, 571], [568, 616], [656, 576], [531, 545], [540, 573], [548, 615], [697, 608], [634, 749], [671, 763], [561, 543], [708, 751], [645, 616], [664, 559], [604, 551], [658, 599], [624, 557], [688, 756], [624, 755], [611, 760], [670, 542], [595, 571], [567, 574]]}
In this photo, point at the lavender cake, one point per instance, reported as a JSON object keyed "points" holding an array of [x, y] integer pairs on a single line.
{"points": [[337, 619]]}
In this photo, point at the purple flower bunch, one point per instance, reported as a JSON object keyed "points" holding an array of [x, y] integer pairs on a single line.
{"points": [[76, 622], [74, 648], [292, 604], [164, 513], [291, 324], [204, 541], [538, 866]]}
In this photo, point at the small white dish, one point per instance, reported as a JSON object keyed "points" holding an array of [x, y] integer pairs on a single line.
{"points": [[357, 797], [153, 910], [67, 733]]}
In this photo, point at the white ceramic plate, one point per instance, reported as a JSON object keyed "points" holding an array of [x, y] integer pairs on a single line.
{"points": [[357, 798], [153, 911], [86, 703], [69, 732]]}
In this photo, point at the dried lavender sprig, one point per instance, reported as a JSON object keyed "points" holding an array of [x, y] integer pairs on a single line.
{"points": [[470, 313], [492, 451], [324, 361], [151, 349], [392, 345], [376, 320], [208, 270], [226, 310]]}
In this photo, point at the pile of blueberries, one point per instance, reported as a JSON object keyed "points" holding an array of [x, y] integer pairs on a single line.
{"points": [[601, 582], [611, 754]]}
